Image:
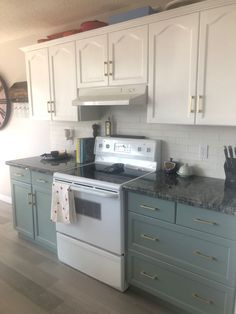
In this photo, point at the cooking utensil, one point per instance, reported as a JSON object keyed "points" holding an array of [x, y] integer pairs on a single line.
{"points": [[231, 154]]}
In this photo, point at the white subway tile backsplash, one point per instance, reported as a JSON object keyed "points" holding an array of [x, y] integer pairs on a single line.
{"points": [[181, 142]]}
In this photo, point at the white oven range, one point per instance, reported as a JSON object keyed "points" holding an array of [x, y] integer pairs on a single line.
{"points": [[95, 243]]}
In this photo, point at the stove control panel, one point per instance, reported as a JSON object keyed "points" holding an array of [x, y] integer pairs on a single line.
{"points": [[144, 149]]}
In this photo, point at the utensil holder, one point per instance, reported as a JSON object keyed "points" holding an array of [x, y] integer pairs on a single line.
{"points": [[230, 173]]}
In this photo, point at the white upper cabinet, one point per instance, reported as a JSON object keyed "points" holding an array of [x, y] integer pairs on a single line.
{"points": [[51, 76], [115, 59], [190, 80], [63, 81], [173, 45], [217, 67], [128, 56], [37, 71], [92, 61]]}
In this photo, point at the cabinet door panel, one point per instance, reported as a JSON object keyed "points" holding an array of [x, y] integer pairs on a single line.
{"points": [[63, 81], [217, 67], [37, 69], [172, 70], [22, 208], [91, 56], [128, 54], [45, 231]]}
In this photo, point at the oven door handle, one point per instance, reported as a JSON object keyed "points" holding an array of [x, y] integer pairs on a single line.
{"points": [[94, 192]]}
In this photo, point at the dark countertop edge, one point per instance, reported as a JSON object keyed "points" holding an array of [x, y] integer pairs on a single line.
{"points": [[181, 200], [15, 163]]}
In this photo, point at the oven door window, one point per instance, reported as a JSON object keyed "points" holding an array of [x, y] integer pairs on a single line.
{"points": [[88, 208]]}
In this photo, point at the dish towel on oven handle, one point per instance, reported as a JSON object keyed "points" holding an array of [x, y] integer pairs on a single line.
{"points": [[63, 204]]}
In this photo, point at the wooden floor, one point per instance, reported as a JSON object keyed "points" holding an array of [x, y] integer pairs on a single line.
{"points": [[33, 281]]}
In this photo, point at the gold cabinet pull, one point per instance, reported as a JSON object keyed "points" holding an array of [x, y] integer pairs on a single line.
{"points": [[105, 68], [152, 277], [200, 104], [33, 199], [30, 198], [201, 299], [41, 181], [205, 222], [147, 237], [17, 174], [207, 257], [192, 104], [52, 106], [148, 207], [111, 68], [49, 106]]}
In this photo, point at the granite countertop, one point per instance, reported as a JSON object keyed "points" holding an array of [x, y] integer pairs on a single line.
{"points": [[44, 166], [197, 191]]}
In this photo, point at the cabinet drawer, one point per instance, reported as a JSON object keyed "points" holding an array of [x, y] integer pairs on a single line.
{"points": [[213, 258], [42, 179], [205, 220], [152, 207], [193, 293], [20, 174]]}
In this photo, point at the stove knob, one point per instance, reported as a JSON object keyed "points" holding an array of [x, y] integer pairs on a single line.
{"points": [[107, 146]]}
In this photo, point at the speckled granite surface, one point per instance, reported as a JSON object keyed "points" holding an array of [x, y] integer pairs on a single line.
{"points": [[37, 164], [201, 192]]}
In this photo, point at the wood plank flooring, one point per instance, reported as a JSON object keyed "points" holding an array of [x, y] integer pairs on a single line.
{"points": [[33, 281]]}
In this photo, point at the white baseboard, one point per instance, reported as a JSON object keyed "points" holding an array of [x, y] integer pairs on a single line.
{"points": [[5, 198]]}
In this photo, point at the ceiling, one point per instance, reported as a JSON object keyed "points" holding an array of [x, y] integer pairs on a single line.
{"points": [[28, 17]]}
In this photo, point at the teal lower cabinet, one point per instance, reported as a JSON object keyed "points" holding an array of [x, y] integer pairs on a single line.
{"points": [[184, 289], [22, 205], [44, 229], [188, 262], [31, 194]]}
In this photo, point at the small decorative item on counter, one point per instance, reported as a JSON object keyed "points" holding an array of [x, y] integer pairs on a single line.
{"points": [[108, 127], [55, 155], [96, 130], [170, 167], [185, 171]]}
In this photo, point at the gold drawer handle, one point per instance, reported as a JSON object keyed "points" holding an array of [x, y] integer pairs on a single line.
{"points": [[201, 299], [17, 174], [41, 181], [152, 277], [145, 236], [206, 222], [209, 258], [30, 198], [149, 207]]}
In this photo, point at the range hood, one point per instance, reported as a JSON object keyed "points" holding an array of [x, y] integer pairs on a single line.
{"points": [[111, 96]]}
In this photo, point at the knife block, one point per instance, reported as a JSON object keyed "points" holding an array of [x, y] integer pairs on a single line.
{"points": [[230, 173]]}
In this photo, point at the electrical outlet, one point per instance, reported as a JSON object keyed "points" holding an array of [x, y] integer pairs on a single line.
{"points": [[203, 151]]}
